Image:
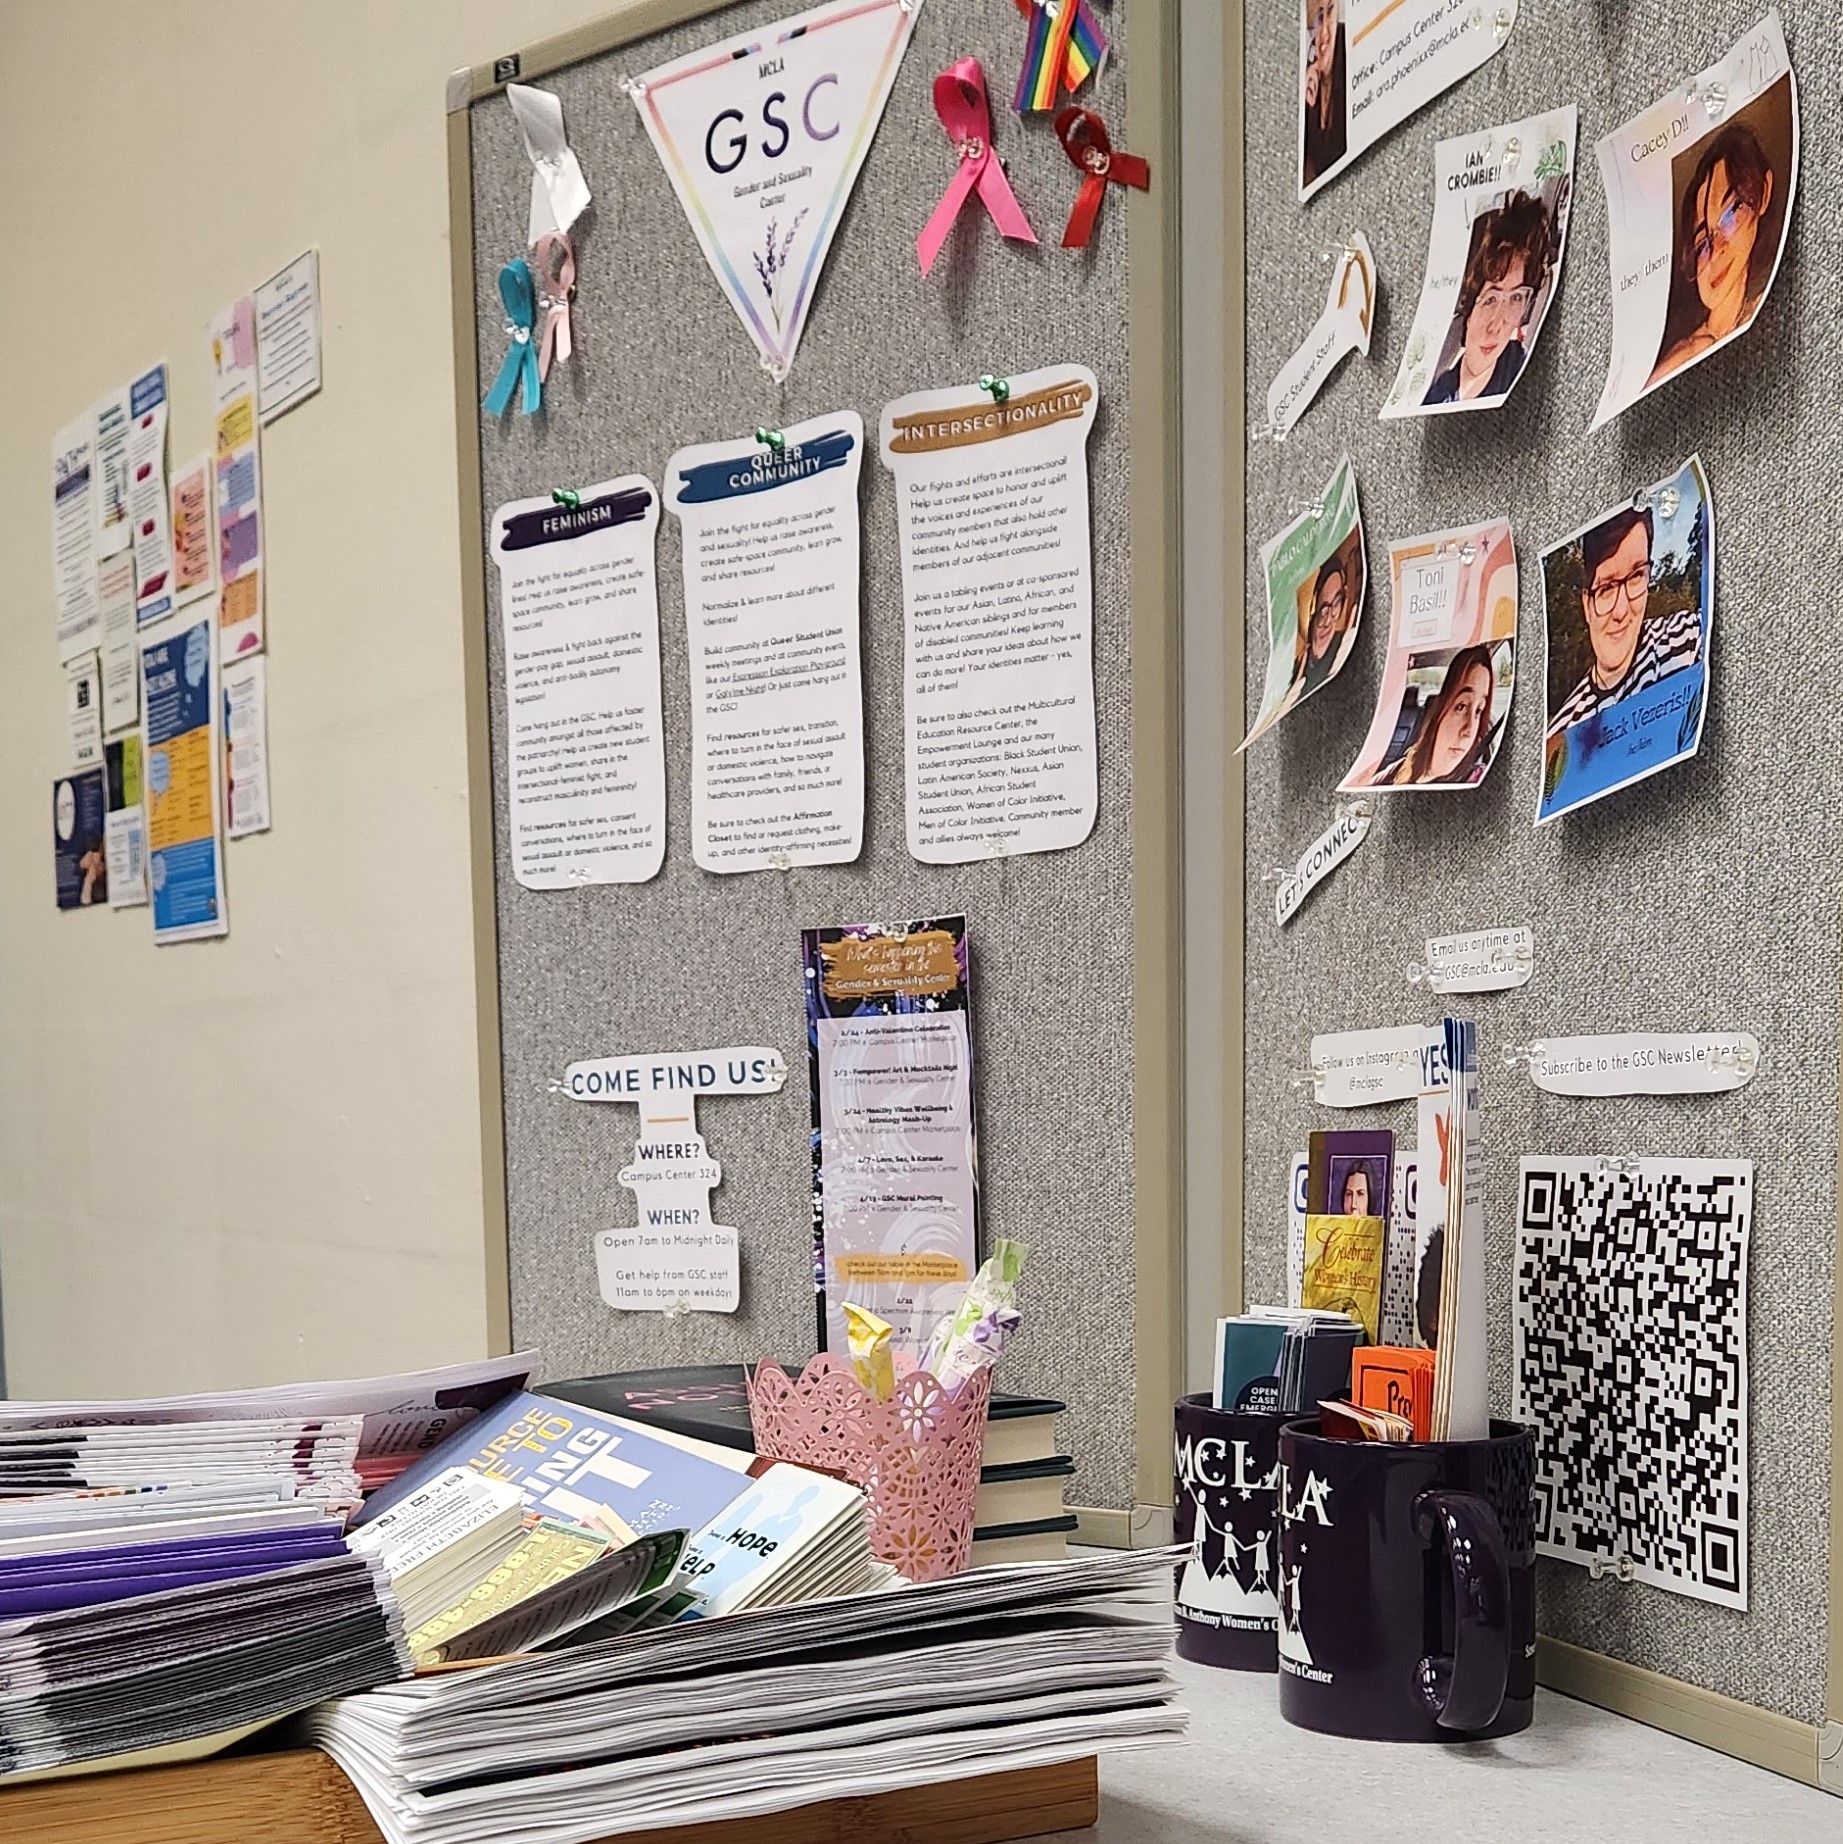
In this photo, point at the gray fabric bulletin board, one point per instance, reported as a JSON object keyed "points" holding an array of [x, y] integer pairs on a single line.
{"points": [[693, 960], [1704, 898]]}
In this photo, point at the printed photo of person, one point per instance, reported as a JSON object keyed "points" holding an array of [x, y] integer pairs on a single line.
{"points": [[1356, 1188], [1629, 602], [1503, 296], [1443, 707], [1731, 190], [1449, 720], [1328, 606], [1324, 98]]}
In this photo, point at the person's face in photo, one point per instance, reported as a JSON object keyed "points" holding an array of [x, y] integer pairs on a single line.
{"points": [[1460, 723], [1497, 317], [1330, 615], [1324, 37], [1615, 603], [1356, 1194], [1726, 227]]}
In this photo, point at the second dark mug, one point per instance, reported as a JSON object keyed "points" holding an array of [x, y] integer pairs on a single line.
{"points": [[1407, 1585]]}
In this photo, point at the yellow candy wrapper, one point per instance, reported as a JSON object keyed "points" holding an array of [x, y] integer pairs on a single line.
{"points": [[868, 1340]]}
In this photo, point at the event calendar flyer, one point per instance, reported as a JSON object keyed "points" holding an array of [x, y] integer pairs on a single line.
{"points": [[895, 1165]]}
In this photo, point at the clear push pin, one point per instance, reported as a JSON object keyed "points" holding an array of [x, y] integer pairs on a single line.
{"points": [[1714, 100], [1511, 959], [1316, 507], [1743, 1059], [1668, 501], [1625, 1168], [1276, 874], [1417, 973], [781, 860], [1521, 1056], [1362, 808], [632, 86], [1501, 21], [1513, 153], [1306, 1083], [677, 1309]]}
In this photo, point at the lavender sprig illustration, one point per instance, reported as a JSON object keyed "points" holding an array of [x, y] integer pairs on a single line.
{"points": [[771, 260]]}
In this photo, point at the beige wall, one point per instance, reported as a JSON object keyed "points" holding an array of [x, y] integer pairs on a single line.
{"points": [[247, 1160]]}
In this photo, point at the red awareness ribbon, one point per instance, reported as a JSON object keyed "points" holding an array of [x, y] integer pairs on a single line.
{"points": [[555, 263], [960, 101], [1084, 139]]}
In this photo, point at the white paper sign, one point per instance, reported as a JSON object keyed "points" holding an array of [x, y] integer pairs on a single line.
{"points": [[121, 656], [1645, 1063], [1501, 204], [771, 618], [559, 193], [237, 480], [288, 336], [585, 743], [73, 542], [675, 1257], [762, 136], [1320, 859], [246, 747], [109, 503], [148, 510], [1365, 66], [1487, 960], [1343, 328], [83, 703], [1699, 192], [1359, 1069], [997, 588], [125, 830]]}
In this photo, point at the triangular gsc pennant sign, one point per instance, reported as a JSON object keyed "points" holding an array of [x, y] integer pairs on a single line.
{"points": [[762, 137]]}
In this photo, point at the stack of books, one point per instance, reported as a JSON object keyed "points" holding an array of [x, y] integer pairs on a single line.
{"points": [[1001, 1668], [1018, 1517]]}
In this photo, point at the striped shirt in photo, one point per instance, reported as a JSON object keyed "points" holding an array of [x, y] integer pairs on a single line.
{"points": [[1668, 644]]}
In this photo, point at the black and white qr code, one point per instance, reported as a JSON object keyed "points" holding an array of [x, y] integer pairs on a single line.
{"points": [[1631, 1364]]}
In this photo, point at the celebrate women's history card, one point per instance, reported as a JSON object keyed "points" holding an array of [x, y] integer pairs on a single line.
{"points": [[1316, 574], [1630, 606], [1444, 707], [1365, 66], [1494, 254], [1699, 194]]}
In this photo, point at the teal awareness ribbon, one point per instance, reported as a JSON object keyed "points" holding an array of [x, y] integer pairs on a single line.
{"points": [[519, 292]]}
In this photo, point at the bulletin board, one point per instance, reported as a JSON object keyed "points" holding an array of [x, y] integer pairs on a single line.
{"points": [[1706, 898], [1074, 967]]}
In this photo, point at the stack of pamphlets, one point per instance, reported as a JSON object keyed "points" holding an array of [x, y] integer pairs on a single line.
{"points": [[174, 1573], [1283, 1359], [763, 1533], [706, 1720]]}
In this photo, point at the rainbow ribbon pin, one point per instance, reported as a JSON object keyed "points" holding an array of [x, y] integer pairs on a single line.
{"points": [[1065, 46]]}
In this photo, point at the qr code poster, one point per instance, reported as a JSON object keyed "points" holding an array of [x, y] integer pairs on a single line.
{"points": [[1631, 1364]]}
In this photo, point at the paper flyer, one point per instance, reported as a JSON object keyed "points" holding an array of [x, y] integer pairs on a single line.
{"points": [[127, 824], [585, 744], [895, 1164], [121, 656], [1501, 204], [770, 556], [1699, 193], [83, 706], [185, 856], [1365, 66], [246, 747], [110, 526], [148, 512], [288, 336], [73, 541], [79, 850], [195, 570], [1444, 706], [237, 480], [998, 615], [1316, 574], [1630, 606], [762, 136]]}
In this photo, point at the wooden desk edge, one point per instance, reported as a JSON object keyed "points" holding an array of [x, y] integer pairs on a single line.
{"points": [[301, 1797]]}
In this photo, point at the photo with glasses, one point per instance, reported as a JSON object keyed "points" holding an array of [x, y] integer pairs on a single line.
{"points": [[1731, 192], [1630, 607], [1316, 577], [1700, 190], [1494, 258]]}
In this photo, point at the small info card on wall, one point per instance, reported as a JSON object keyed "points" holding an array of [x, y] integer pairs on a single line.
{"points": [[771, 617], [998, 604], [585, 732], [895, 1166]]}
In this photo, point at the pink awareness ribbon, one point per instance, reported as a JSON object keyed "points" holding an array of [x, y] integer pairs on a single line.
{"points": [[960, 101], [555, 262]]}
